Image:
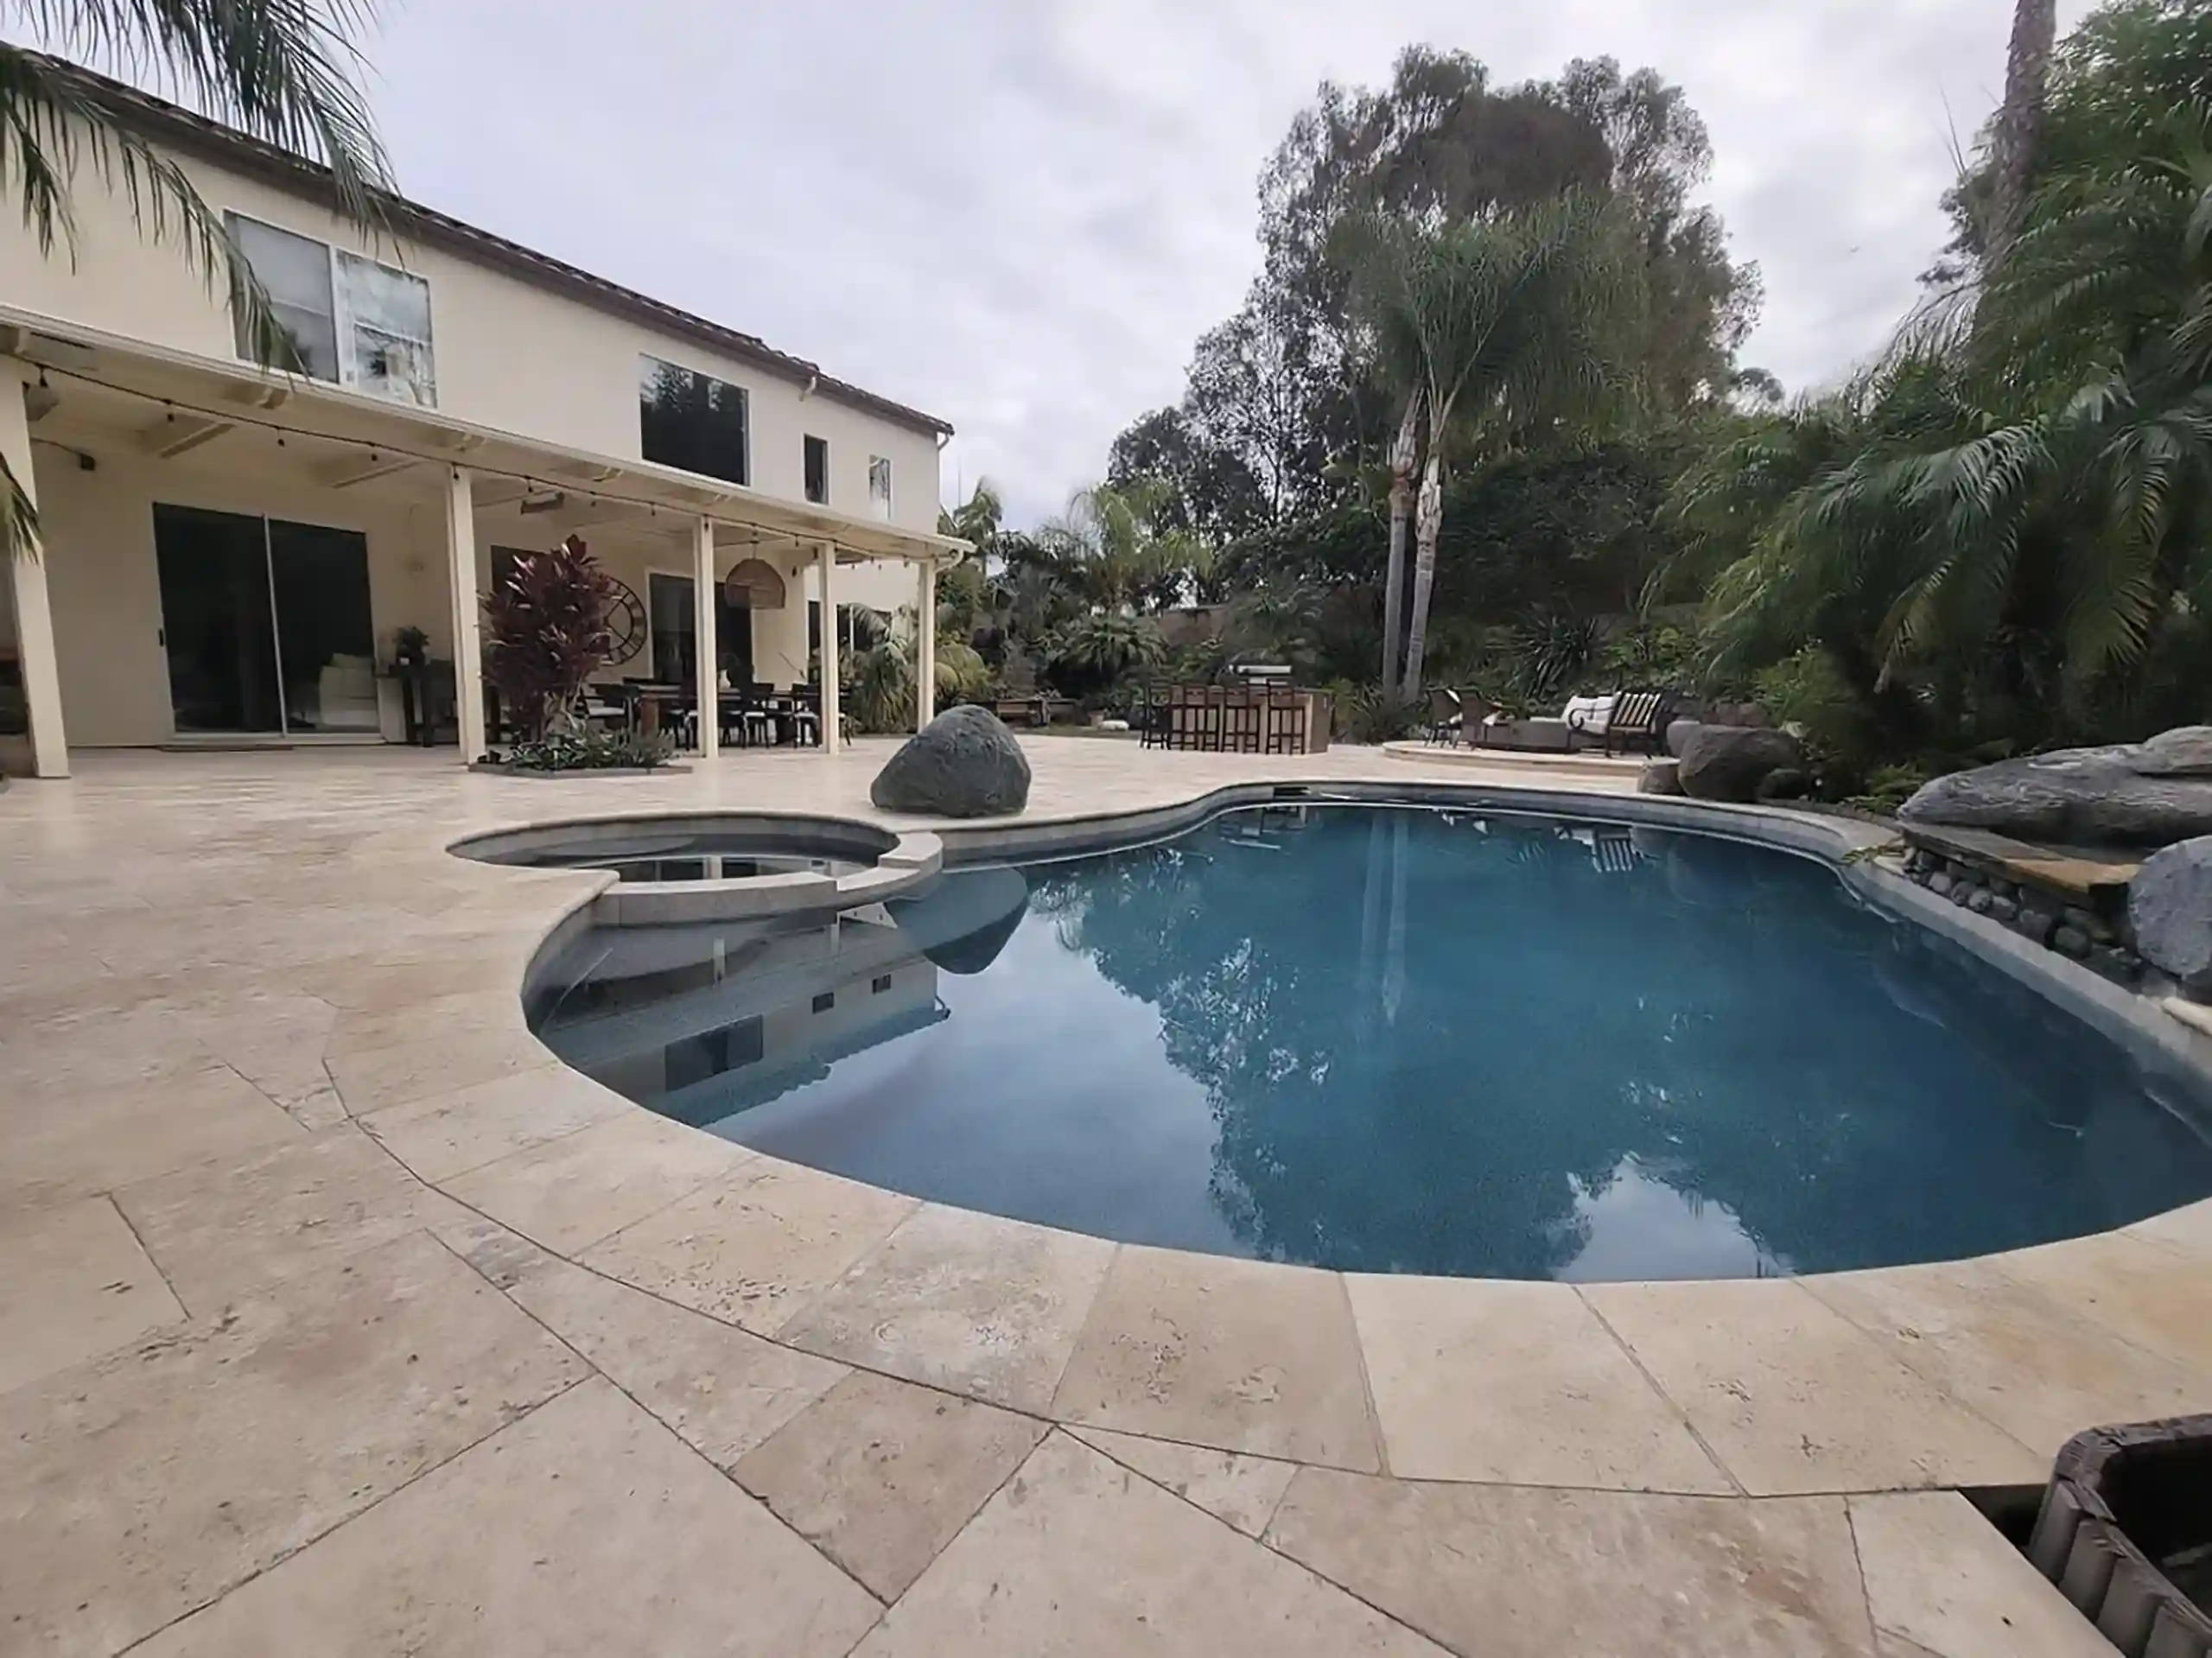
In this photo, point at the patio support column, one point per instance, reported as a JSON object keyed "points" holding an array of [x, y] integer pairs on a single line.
{"points": [[26, 583], [705, 616], [825, 564], [468, 626], [925, 649]]}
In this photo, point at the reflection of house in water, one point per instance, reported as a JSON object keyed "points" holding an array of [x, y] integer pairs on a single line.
{"points": [[702, 1022]]}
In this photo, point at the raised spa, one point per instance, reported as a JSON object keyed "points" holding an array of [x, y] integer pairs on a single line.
{"points": [[1405, 1039]]}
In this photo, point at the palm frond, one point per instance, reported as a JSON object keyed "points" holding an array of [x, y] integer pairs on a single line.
{"points": [[285, 71], [52, 128]]}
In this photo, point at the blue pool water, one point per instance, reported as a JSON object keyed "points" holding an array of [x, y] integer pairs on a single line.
{"points": [[1401, 1039]]}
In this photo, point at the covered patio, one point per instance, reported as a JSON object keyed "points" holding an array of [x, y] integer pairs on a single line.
{"points": [[229, 558]]}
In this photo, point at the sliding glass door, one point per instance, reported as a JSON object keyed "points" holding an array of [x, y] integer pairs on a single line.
{"points": [[266, 623]]}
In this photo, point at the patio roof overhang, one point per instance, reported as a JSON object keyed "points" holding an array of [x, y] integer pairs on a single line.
{"points": [[177, 400]]}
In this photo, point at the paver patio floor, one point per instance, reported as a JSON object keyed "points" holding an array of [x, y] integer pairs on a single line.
{"points": [[336, 1318]]}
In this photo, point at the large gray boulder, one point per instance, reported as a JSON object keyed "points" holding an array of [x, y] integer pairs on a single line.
{"points": [[965, 764], [1730, 762], [2170, 907], [2184, 752], [2147, 794]]}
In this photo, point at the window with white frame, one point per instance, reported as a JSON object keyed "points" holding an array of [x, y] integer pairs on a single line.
{"points": [[879, 486], [816, 450], [353, 321]]}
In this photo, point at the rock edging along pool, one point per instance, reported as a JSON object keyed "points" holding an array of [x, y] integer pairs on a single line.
{"points": [[1451, 1039]]}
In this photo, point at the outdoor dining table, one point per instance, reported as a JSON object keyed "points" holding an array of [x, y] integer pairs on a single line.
{"points": [[647, 699]]}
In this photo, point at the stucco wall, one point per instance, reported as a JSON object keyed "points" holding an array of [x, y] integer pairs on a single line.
{"points": [[509, 354], [105, 589]]}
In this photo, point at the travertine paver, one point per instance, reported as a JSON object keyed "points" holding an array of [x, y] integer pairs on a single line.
{"points": [[221, 1229], [881, 1475], [1792, 1397], [73, 1284], [1237, 1355], [986, 1307], [722, 1390], [584, 1529], [1941, 1577], [190, 946], [2126, 1284], [138, 1487], [2019, 1357], [2188, 1231], [463, 1013], [755, 1248], [61, 1143], [1510, 1572], [1239, 1490], [437, 1063], [569, 1193], [446, 1135], [1079, 1556], [1518, 1384]]}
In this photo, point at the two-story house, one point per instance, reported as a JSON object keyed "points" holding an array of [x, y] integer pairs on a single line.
{"points": [[231, 553]]}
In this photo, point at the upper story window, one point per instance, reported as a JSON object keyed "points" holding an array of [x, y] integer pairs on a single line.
{"points": [[692, 421], [879, 486], [350, 320], [817, 470]]}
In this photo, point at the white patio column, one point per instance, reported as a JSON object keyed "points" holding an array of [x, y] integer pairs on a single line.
{"points": [[706, 618], [925, 649], [27, 582], [825, 564], [468, 615]]}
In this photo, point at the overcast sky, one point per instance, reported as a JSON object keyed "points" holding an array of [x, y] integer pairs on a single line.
{"points": [[1019, 214]]}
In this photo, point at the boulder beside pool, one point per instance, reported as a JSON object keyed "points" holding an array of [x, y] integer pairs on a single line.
{"points": [[2170, 909], [2150, 794], [1731, 762], [964, 764]]}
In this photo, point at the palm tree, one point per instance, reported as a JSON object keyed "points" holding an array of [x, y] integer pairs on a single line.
{"points": [[1110, 548], [1510, 320], [2012, 514], [2020, 120], [285, 71]]}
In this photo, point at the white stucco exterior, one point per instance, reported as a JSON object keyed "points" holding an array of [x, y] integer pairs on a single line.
{"points": [[526, 353]]}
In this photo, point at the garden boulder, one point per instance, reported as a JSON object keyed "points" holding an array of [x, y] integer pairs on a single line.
{"points": [[1731, 762], [2150, 794], [965, 764], [2170, 908]]}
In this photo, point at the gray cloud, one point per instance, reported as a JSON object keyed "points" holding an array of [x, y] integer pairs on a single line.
{"points": [[1021, 215]]}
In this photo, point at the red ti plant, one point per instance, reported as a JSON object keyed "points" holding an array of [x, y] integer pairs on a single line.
{"points": [[547, 635]]}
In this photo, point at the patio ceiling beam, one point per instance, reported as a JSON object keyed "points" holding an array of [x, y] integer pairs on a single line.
{"points": [[177, 435], [349, 470]]}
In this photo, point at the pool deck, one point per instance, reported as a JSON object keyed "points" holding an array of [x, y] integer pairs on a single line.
{"points": [[338, 1318]]}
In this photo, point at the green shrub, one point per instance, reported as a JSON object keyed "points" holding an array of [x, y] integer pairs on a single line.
{"points": [[1371, 717], [585, 749], [1092, 653]]}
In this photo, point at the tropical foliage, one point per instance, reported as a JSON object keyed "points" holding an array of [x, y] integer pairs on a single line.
{"points": [[1998, 537], [285, 71], [1507, 324], [546, 634]]}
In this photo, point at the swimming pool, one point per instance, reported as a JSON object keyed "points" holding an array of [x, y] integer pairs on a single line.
{"points": [[1405, 1039]]}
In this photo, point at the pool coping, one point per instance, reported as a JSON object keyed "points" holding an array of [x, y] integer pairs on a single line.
{"points": [[1028, 1316]]}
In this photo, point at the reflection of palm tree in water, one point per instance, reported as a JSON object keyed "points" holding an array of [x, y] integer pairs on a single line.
{"points": [[1430, 1040]]}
